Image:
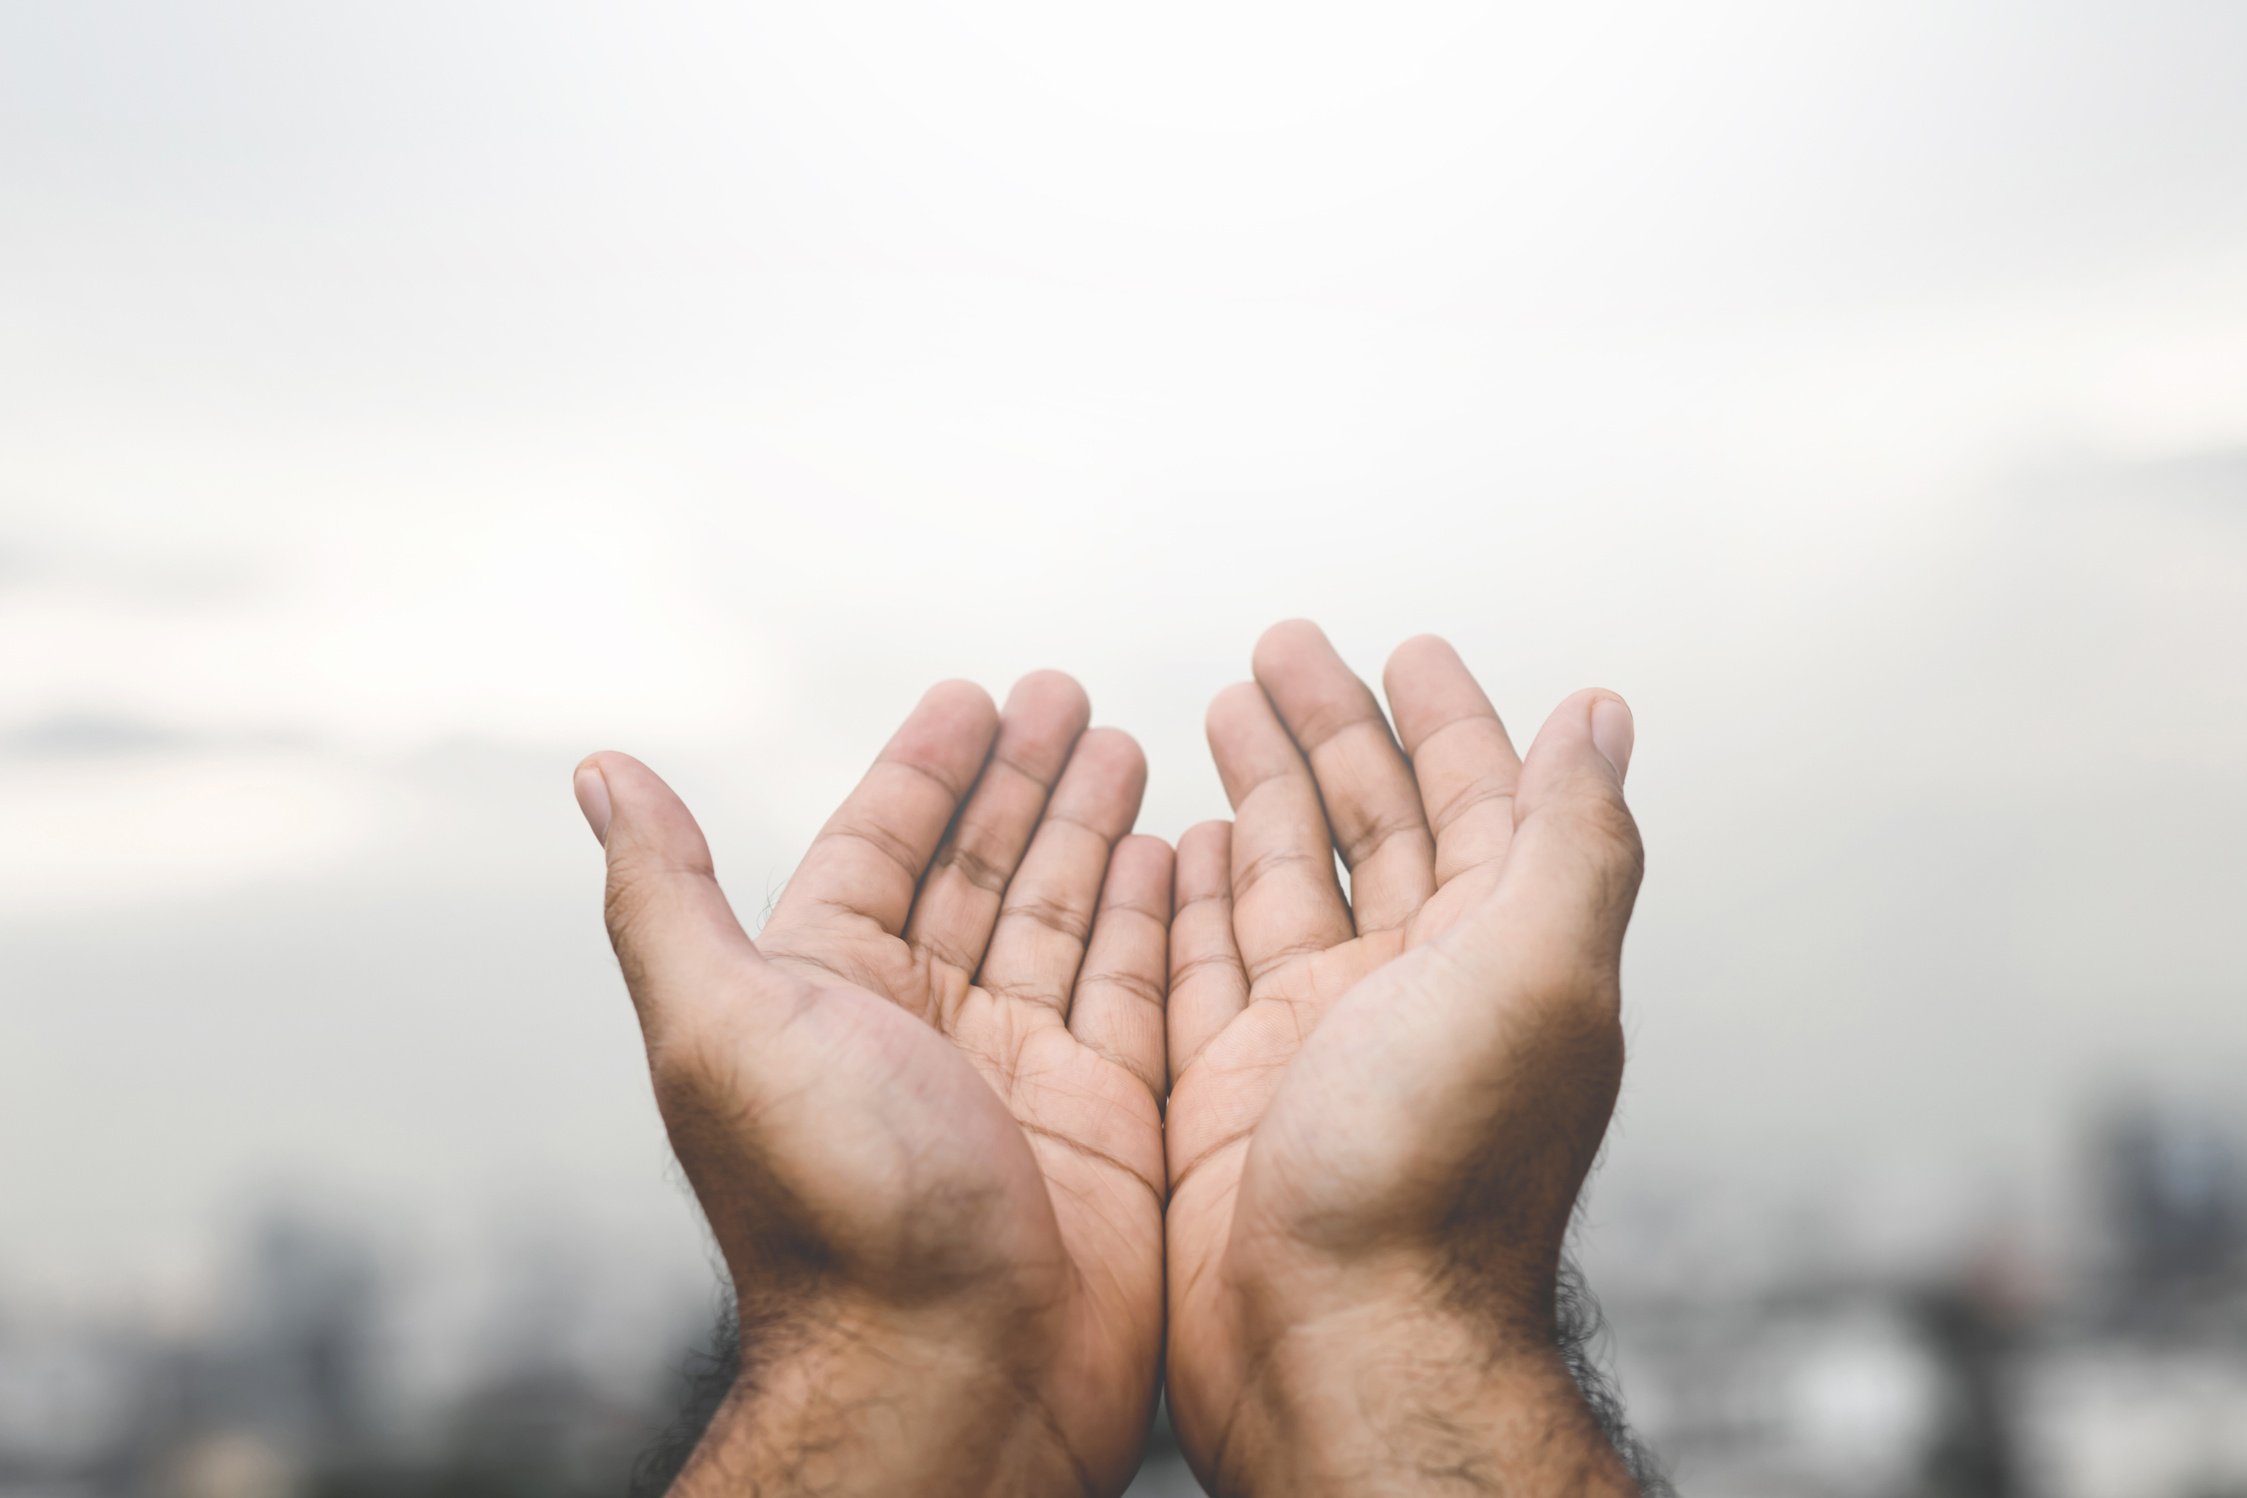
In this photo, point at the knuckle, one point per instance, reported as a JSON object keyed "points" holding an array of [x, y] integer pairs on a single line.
{"points": [[1053, 915], [1141, 986], [979, 863], [1261, 866], [1284, 639], [1378, 832]]}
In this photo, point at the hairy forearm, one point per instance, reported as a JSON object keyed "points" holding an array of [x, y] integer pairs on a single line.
{"points": [[848, 1407], [1387, 1399]]}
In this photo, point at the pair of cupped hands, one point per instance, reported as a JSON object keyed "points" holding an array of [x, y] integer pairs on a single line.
{"points": [[1010, 1117]]}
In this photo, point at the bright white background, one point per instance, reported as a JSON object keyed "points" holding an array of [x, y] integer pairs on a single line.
{"points": [[398, 401]]}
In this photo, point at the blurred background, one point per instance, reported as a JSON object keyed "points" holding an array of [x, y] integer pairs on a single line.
{"points": [[399, 401]]}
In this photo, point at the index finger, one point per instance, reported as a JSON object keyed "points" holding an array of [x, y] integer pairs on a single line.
{"points": [[869, 858]]}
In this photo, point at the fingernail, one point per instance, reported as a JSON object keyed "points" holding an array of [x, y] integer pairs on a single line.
{"points": [[593, 799], [1612, 733]]}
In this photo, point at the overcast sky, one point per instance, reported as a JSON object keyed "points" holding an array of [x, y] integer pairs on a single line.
{"points": [[398, 401]]}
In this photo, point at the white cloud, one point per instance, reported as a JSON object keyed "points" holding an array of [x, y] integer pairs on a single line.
{"points": [[111, 835]]}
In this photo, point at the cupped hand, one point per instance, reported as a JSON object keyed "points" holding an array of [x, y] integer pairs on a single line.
{"points": [[921, 1109], [1383, 1105]]}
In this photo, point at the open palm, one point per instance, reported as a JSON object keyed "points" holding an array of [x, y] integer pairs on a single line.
{"points": [[927, 1092], [1349, 1075]]}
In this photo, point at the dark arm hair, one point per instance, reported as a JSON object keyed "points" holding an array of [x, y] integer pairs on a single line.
{"points": [[710, 1373], [705, 1379], [1580, 1330]]}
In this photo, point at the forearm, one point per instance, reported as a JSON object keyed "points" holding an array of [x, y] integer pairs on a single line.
{"points": [[1388, 1399], [849, 1407]]}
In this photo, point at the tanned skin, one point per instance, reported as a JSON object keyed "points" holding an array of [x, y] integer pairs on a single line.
{"points": [[1382, 1107], [923, 1111]]}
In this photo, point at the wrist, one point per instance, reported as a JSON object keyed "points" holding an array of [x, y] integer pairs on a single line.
{"points": [[847, 1400], [1407, 1396]]}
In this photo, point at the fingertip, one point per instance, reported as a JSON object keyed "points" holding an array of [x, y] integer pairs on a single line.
{"points": [[1594, 721], [1117, 748], [1142, 863], [1613, 731], [662, 904], [1417, 654], [1216, 832], [1232, 705], [636, 811], [1287, 642], [1102, 785], [948, 734], [1047, 692], [1150, 845], [1577, 858], [619, 772], [957, 700], [591, 787]]}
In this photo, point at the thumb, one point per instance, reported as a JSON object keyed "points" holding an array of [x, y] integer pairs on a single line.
{"points": [[1572, 872], [675, 936]]}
